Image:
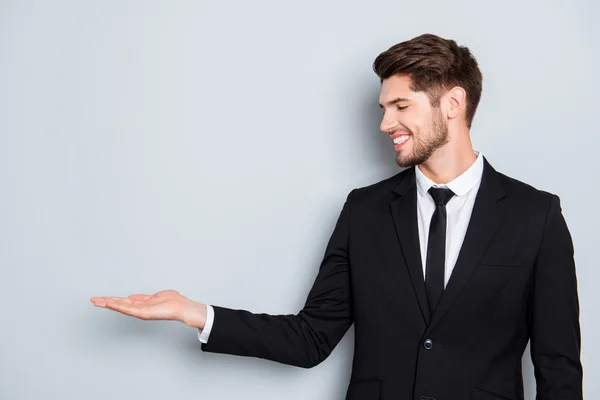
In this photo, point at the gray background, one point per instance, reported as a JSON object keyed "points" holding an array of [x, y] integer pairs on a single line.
{"points": [[208, 147]]}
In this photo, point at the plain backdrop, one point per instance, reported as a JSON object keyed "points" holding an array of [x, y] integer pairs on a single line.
{"points": [[208, 147]]}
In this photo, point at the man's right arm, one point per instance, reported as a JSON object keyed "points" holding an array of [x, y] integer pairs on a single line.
{"points": [[304, 339]]}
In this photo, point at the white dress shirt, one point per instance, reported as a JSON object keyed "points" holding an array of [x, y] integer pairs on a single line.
{"points": [[458, 212], [210, 317]]}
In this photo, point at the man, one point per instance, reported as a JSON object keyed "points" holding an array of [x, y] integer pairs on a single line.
{"points": [[447, 269]]}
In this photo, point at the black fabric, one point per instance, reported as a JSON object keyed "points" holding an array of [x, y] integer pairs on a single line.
{"points": [[436, 247], [514, 281]]}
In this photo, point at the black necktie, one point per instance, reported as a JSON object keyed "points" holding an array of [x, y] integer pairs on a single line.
{"points": [[436, 247]]}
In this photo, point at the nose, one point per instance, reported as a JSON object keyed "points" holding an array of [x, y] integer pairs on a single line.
{"points": [[387, 124]]}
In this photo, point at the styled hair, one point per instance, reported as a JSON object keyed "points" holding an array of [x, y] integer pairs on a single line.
{"points": [[434, 65]]}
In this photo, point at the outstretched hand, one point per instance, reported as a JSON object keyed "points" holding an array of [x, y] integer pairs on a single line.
{"points": [[163, 305]]}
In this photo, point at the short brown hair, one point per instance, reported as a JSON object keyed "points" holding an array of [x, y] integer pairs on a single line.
{"points": [[434, 64]]}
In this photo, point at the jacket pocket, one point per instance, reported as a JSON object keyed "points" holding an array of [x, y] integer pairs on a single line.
{"points": [[478, 394], [364, 389]]}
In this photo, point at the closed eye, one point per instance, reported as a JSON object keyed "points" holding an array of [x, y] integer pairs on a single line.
{"points": [[399, 108]]}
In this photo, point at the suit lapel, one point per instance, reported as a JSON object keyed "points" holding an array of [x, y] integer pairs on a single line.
{"points": [[482, 225], [404, 215]]}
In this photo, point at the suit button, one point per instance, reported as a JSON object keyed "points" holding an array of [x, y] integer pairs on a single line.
{"points": [[428, 344]]}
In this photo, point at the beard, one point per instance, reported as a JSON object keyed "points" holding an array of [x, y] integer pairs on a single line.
{"points": [[423, 147]]}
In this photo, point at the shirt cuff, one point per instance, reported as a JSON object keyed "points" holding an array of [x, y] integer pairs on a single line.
{"points": [[203, 334]]}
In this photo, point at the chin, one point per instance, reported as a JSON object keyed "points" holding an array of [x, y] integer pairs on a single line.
{"points": [[404, 160]]}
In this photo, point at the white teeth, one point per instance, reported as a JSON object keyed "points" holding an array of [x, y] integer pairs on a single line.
{"points": [[400, 139]]}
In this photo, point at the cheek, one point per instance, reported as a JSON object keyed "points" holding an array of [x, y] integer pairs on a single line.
{"points": [[420, 124], [414, 121]]}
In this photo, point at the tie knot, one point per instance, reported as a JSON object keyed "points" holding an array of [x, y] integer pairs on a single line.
{"points": [[441, 196]]}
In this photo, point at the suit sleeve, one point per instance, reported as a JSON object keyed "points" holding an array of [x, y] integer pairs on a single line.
{"points": [[304, 339], [554, 319]]}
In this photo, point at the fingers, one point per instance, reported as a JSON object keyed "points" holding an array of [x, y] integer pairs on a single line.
{"points": [[124, 308], [102, 301], [99, 303], [134, 299], [119, 304], [105, 298]]}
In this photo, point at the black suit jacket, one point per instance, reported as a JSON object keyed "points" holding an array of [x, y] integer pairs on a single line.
{"points": [[514, 281]]}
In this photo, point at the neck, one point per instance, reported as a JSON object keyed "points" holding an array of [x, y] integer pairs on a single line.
{"points": [[449, 161]]}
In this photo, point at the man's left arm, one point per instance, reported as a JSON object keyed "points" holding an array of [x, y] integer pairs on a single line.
{"points": [[554, 314]]}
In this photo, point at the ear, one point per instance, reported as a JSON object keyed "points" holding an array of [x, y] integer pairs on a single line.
{"points": [[456, 102]]}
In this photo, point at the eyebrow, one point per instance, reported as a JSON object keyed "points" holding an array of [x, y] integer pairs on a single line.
{"points": [[396, 100]]}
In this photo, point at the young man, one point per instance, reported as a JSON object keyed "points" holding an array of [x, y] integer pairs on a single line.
{"points": [[447, 269]]}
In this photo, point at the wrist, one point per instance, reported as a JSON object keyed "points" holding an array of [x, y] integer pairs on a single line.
{"points": [[194, 314]]}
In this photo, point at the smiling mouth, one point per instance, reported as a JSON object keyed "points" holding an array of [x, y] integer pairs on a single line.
{"points": [[399, 140]]}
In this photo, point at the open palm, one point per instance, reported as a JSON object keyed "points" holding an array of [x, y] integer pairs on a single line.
{"points": [[163, 305]]}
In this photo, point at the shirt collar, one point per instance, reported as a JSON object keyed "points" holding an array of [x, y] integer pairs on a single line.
{"points": [[459, 185]]}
